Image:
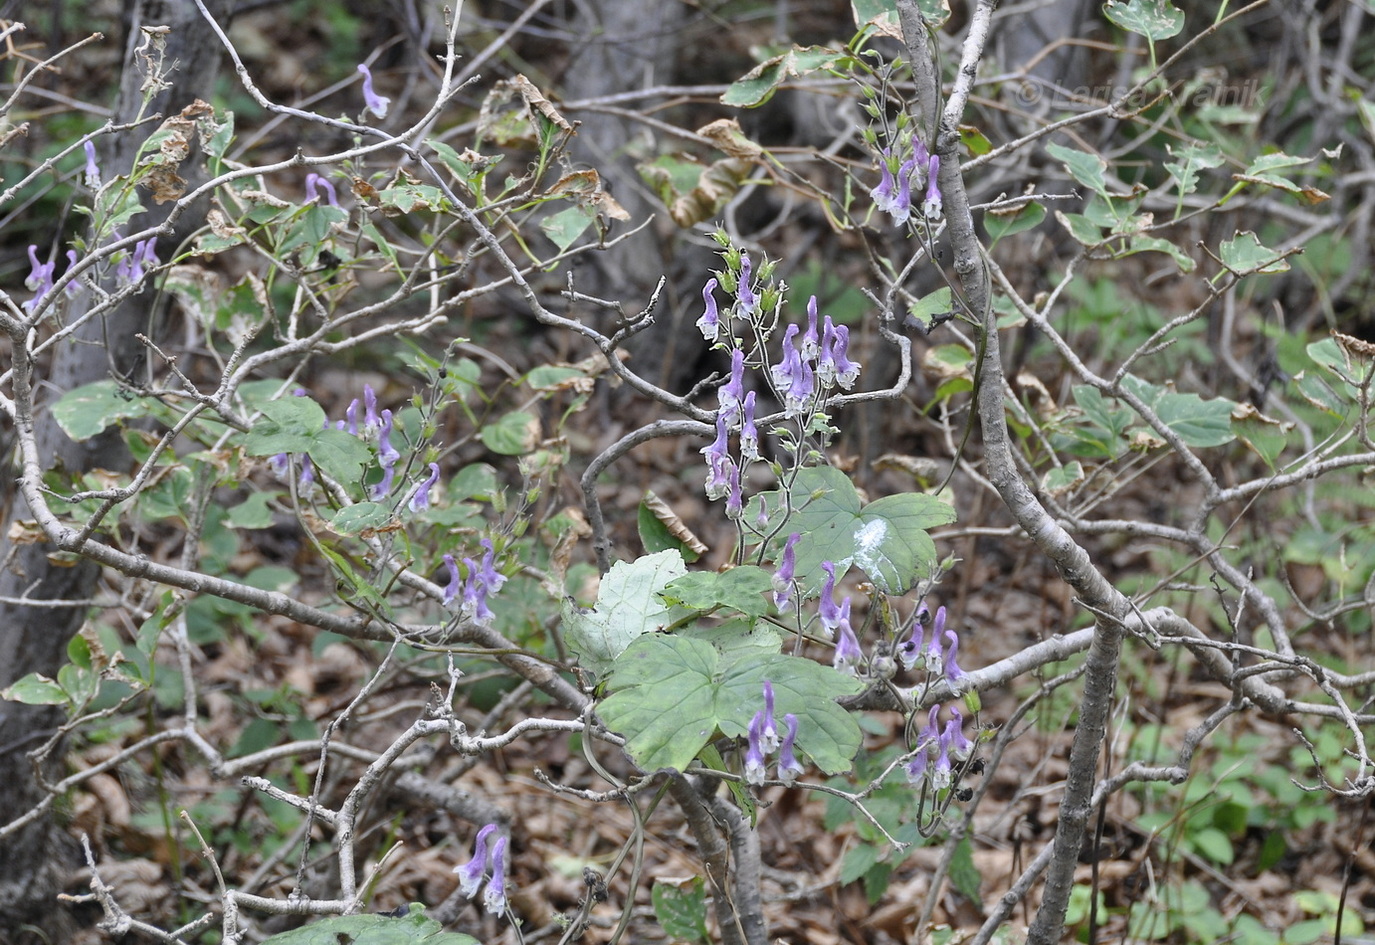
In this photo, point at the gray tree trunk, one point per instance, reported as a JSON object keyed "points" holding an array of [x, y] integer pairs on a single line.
{"points": [[34, 637]]}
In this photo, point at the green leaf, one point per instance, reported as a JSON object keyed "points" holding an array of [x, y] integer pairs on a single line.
{"points": [[964, 875], [35, 689], [655, 534], [86, 411], [1156, 244], [340, 454], [681, 909], [1062, 479], [1086, 168], [1199, 422], [1153, 19], [857, 861], [671, 693], [886, 538], [356, 519], [1244, 254], [289, 425], [254, 511], [1214, 844], [564, 228], [1000, 223], [741, 589], [884, 13], [1266, 436], [1189, 160], [758, 85], [413, 929], [514, 434], [629, 605]]}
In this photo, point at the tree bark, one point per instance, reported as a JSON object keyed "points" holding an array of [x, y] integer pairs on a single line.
{"points": [[34, 636]]}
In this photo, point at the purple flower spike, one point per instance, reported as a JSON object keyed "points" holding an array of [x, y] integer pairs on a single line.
{"points": [[385, 451], [421, 498], [783, 577], [754, 751], [828, 608], [789, 768], [931, 206], [455, 580], [710, 322], [92, 168], [848, 654], [470, 874], [769, 731], [811, 345], [314, 184], [494, 899], [376, 103], [732, 393], [749, 301]]}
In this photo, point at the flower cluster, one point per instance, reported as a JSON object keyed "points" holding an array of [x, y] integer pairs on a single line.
{"points": [[939, 657], [893, 195], [481, 581], [806, 373], [763, 740], [938, 750], [471, 874], [141, 258]]}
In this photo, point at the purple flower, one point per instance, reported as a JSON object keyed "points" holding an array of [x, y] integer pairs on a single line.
{"points": [[848, 654], [931, 206], [92, 168], [382, 488], [371, 422], [455, 580], [761, 519], [810, 346], [131, 267], [719, 463], [754, 751], [828, 608], [40, 278], [768, 731], [909, 650], [385, 451], [376, 103], [733, 391], [314, 184], [885, 192], [494, 899], [749, 439], [749, 301], [953, 674], [916, 768], [789, 768], [307, 478], [281, 464], [421, 498], [783, 577], [935, 663], [735, 500], [351, 417], [793, 376], [960, 747], [940, 772], [73, 286], [710, 322], [470, 874], [475, 595], [488, 573], [834, 367]]}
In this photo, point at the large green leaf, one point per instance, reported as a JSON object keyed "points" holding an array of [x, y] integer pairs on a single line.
{"points": [[413, 929], [1199, 422], [1153, 19], [88, 410], [672, 693], [629, 605], [886, 538], [758, 85], [740, 589]]}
